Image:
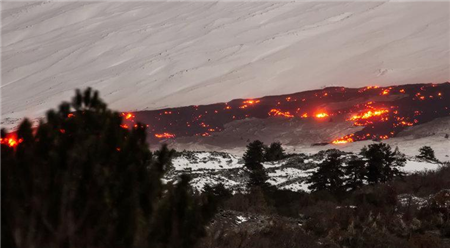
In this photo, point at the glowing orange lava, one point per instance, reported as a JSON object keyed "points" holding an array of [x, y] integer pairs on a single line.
{"points": [[164, 135], [368, 88], [277, 112], [10, 141], [128, 116], [369, 114], [321, 115], [250, 101], [344, 140]]}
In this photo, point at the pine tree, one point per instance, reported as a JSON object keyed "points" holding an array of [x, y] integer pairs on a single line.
{"points": [[274, 152], [329, 175], [80, 180], [253, 158], [355, 173], [383, 164], [427, 152]]}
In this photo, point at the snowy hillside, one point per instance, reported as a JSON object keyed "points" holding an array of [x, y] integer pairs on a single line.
{"points": [[150, 55], [213, 168]]}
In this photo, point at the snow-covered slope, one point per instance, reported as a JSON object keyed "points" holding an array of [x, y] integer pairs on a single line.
{"points": [[212, 168], [149, 55]]}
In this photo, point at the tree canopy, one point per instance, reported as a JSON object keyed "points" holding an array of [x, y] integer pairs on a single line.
{"points": [[81, 180]]}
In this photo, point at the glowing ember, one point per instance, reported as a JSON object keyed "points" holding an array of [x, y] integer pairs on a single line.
{"points": [[344, 140], [250, 102], [70, 115], [321, 115], [368, 88], [385, 92], [165, 136], [124, 126], [369, 114], [277, 112], [128, 116], [10, 141]]}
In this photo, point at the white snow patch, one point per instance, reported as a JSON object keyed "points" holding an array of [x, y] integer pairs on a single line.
{"points": [[206, 161], [416, 166], [241, 219]]}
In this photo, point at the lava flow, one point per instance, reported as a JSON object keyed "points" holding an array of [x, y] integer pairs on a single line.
{"points": [[10, 141], [378, 112]]}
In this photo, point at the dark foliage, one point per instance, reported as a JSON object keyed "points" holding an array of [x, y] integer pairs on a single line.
{"points": [[383, 164], [254, 157], [329, 176], [355, 173], [274, 152], [427, 152], [80, 180], [372, 216]]}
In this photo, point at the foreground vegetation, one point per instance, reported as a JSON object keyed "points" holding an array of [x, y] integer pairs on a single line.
{"points": [[81, 180], [412, 212]]}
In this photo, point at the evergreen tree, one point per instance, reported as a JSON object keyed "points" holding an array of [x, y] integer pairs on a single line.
{"points": [[329, 176], [383, 164], [274, 152], [427, 152], [80, 180], [253, 158], [355, 173]]}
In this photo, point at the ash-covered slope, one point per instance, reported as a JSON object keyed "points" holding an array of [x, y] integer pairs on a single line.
{"points": [[145, 55], [334, 115]]}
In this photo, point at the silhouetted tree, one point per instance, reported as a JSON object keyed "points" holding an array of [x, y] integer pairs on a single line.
{"points": [[383, 164], [80, 180], [253, 158], [355, 173], [427, 152], [274, 152], [329, 175]]}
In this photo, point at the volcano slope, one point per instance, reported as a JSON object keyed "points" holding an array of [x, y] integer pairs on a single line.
{"points": [[330, 116]]}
